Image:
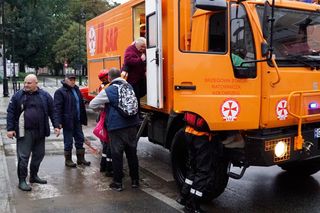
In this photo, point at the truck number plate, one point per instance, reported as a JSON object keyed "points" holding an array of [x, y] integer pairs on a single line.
{"points": [[317, 133]]}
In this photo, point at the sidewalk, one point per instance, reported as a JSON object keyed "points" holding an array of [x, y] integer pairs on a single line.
{"points": [[6, 195]]}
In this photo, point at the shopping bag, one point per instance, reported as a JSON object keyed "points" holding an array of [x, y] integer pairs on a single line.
{"points": [[100, 131]]}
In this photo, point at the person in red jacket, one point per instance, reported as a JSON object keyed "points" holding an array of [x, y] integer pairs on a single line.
{"points": [[135, 66], [106, 158]]}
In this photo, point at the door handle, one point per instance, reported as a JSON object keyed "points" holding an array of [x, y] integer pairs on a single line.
{"points": [[185, 87]]}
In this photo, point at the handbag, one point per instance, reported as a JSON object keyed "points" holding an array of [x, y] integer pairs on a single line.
{"points": [[100, 131]]}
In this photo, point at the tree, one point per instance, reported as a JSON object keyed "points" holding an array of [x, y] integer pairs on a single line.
{"points": [[67, 46], [34, 27]]}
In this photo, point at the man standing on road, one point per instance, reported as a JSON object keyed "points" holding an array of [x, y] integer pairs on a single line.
{"points": [[135, 66], [71, 115], [28, 120], [121, 129]]}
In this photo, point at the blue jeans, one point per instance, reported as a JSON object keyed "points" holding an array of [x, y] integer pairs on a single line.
{"points": [[76, 133]]}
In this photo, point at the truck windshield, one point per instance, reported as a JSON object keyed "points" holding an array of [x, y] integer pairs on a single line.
{"points": [[296, 36]]}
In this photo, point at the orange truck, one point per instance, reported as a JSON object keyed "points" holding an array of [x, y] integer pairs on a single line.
{"points": [[249, 68]]}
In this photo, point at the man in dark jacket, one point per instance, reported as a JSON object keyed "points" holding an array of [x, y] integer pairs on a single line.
{"points": [[122, 131], [71, 115], [135, 65], [27, 120]]}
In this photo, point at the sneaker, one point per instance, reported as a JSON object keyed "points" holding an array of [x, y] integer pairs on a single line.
{"points": [[116, 186], [135, 184]]}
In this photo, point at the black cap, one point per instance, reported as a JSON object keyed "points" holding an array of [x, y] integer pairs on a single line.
{"points": [[70, 75]]}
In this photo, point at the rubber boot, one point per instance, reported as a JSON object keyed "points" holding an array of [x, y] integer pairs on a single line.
{"points": [[68, 159], [184, 194], [103, 164], [36, 179], [23, 185], [109, 170], [80, 158], [193, 205]]}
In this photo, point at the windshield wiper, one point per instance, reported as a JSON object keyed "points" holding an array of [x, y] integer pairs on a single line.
{"points": [[311, 61]]}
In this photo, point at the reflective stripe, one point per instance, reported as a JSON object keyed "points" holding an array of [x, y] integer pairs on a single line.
{"points": [[104, 155], [192, 131], [199, 194], [109, 159], [189, 182], [195, 192]]}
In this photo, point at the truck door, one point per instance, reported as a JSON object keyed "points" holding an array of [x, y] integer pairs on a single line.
{"points": [[154, 53]]}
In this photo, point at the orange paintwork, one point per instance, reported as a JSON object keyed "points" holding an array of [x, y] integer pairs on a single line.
{"points": [[257, 99]]}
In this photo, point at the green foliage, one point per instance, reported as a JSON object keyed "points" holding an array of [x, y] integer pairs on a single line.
{"points": [[46, 32], [71, 46]]}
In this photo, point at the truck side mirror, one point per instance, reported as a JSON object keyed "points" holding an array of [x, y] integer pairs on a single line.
{"points": [[266, 20], [211, 5]]}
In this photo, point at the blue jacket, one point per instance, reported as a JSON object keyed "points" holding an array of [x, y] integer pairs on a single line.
{"points": [[14, 111], [64, 106], [114, 120]]}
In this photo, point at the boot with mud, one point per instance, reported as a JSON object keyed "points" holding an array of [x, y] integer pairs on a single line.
{"points": [[68, 159], [80, 158]]}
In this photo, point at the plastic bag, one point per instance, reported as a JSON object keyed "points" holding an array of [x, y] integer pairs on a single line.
{"points": [[100, 131]]}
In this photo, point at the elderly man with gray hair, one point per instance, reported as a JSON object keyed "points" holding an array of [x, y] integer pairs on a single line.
{"points": [[28, 121], [135, 66]]}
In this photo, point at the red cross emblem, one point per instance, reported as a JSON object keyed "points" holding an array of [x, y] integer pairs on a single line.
{"points": [[230, 110], [281, 109]]}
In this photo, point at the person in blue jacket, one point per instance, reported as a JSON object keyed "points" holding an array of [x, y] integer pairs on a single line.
{"points": [[71, 115], [122, 131], [28, 120]]}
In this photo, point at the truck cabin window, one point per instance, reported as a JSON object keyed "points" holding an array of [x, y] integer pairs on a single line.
{"points": [[242, 47], [296, 37], [200, 30]]}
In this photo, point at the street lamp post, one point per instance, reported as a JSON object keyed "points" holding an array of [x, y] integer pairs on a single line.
{"points": [[14, 80], [5, 79]]}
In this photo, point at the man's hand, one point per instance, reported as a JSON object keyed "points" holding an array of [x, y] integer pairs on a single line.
{"points": [[11, 134], [143, 57], [57, 131]]}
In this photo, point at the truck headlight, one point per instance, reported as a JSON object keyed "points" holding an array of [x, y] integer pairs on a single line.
{"points": [[280, 149]]}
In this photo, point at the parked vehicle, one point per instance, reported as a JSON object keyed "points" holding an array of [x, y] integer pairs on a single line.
{"points": [[249, 68]]}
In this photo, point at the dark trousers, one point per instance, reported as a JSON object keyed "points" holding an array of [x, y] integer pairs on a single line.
{"points": [[106, 153], [30, 143], [76, 133], [124, 140], [140, 89], [200, 156]]}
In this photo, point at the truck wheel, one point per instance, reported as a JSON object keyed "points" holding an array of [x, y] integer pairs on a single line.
{"points": [[303, 168], [179, 160]]}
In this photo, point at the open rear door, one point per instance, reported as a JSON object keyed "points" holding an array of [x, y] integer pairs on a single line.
{"points": [[154, 53]]}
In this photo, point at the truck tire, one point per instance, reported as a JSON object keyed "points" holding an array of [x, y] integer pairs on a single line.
{"points": [[179, 160], [302, 168]]}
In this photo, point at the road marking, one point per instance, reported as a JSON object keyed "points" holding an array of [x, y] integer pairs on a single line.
{"points": [[163, 198]]}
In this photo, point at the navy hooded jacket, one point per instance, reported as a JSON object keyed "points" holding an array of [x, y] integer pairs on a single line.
{"points": [[65, 106], [14, 111]]}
